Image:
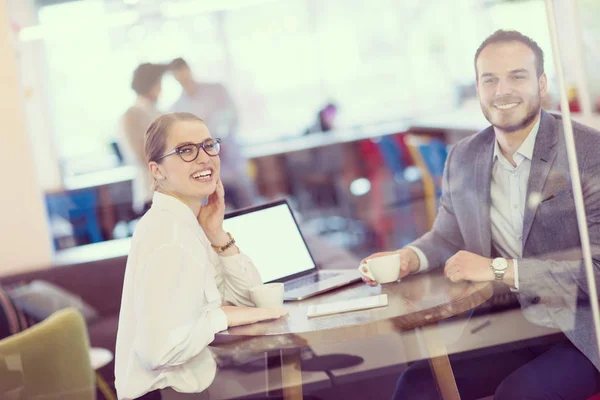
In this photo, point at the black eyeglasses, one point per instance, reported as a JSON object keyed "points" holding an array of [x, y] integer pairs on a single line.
{"points": [[189, 152]]}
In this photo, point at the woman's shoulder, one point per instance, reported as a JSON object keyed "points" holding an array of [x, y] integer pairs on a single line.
{"points": [[159, 229], [156, 226]]}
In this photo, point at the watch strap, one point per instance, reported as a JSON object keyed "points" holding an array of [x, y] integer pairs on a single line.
{"points": [[221, 249]]}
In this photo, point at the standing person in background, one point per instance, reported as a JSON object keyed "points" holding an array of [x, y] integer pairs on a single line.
{"points": [[213, 103], [147, 85], [320, 170]]}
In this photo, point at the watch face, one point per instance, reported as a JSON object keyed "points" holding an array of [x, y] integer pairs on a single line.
{"points": [[500, 263]]}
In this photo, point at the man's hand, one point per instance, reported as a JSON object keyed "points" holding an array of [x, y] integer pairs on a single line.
{"points": [[409, 263], [466, 266]]}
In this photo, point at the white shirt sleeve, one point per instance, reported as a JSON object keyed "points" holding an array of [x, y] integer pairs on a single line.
{"points": [[170, 331], [235, 275], [516, 273], [423, 262]]}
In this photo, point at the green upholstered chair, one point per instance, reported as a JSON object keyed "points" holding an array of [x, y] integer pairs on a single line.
{"points": [[48, 361]]}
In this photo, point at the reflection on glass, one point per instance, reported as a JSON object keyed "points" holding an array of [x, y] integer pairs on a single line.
{"points": [[386, 93], [589, 13], [507, 217]]}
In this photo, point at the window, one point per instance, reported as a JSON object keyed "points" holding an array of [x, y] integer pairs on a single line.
{"points": [[281, 61]]}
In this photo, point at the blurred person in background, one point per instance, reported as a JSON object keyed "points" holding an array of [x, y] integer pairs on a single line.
{"points": [[320, 166], [213, 103], [146, 83]]}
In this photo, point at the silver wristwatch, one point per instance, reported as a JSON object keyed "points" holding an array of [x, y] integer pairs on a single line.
{"points": [[499, 266]]}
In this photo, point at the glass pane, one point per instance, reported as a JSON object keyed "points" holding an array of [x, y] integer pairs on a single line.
{"points": [[392, 140]]}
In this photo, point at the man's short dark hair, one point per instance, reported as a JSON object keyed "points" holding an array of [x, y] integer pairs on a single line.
{"points": [[146, 76], [178, 63], [502, 36]]}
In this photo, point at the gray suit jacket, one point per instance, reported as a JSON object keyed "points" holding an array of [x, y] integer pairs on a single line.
{"points": [[551, 275]]}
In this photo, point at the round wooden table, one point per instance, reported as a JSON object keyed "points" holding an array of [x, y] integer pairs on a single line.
{"points": [[415, 302]]}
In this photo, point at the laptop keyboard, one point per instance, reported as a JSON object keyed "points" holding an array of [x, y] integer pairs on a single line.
{"points": [[309, 279]]}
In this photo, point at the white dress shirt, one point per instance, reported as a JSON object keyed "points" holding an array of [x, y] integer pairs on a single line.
{"points": [[508, 196], [170, 311]]}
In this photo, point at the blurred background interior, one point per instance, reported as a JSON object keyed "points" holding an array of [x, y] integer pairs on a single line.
{"points": [[346, 108]]}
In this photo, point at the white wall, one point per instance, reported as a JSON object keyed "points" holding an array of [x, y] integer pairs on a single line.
{"points": [[24, 236], [31, 62]]}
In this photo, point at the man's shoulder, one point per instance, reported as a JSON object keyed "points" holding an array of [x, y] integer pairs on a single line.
{"points": [[579, 129], [135, 111], [586, 133], [474, 143], [587, 138], [211, 84], [214, 88], [587, 143]]}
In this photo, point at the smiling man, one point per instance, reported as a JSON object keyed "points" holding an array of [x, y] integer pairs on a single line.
{"points": [[507, 214], [510, 84]]}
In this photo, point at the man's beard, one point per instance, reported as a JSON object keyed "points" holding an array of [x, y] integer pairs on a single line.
{"points": [[529, 118]]}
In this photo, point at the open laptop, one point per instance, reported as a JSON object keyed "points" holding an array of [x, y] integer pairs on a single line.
{"points": [[270, 236]]}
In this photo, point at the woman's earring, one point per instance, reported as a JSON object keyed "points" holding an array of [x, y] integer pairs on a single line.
{"points": [[160, 176]]}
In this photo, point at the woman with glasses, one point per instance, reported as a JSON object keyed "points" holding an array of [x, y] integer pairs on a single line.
{"points": [[185, 278]]}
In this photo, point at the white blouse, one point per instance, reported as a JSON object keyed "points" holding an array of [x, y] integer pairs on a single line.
{"points": [[173, 288]]}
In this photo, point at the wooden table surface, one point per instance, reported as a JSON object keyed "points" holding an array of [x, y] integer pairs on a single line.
{"points": [[415, 301]]}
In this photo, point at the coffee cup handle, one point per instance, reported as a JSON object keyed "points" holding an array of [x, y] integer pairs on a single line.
{"points": [[368, 273]]}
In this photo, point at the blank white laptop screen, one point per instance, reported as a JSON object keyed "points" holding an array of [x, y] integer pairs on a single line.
{"points": [[270, 237]]}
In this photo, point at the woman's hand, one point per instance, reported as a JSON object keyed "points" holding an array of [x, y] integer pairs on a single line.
{"points": [[237, 316], [211, 215]]}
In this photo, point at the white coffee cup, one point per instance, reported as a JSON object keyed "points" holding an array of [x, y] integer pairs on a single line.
{"points": [[269, 295], [384, 269]]}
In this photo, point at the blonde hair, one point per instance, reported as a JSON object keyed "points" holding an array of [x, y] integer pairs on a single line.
{"points": [[156, 136]]}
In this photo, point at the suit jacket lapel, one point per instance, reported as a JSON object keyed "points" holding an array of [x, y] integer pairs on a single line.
{"points": [[483, 181], [544, 154]]}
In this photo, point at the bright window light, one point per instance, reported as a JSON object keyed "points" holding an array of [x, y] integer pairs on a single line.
{"points": [[412, 173], [101, 21], [360, 187], [191, 7]]}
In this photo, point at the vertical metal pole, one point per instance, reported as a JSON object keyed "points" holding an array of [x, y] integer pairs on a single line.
{"points": [[574, 171]]}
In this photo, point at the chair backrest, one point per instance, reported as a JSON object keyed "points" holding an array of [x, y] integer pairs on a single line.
{"points": [[48, 361], [392, 155], [434, 154], [371, 156], [415, 145]]}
